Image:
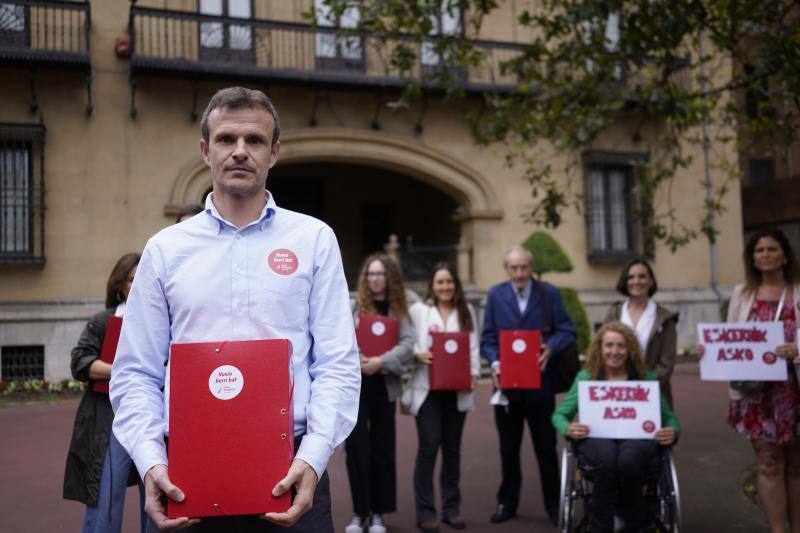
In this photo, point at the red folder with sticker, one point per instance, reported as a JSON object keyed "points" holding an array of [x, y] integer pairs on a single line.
{"points": [[450, 368], [230, 426], [109, 349], [376, 334], [519, 359]]}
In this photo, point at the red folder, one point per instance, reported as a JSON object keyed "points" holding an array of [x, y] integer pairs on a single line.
{"points": [[109, 349], [450, 368], [519, 359], [230, 426], [376, 334]]}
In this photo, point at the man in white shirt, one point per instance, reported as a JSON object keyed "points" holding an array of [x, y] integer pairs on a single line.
{"points": [[243, 269]]}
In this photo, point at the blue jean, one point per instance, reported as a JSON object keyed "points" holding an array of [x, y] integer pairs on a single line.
{"points": [[106, 517]]}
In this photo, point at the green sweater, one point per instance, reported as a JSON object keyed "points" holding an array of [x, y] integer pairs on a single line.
{"points": [[565, 412]]}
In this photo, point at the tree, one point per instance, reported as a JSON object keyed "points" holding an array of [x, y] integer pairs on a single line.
{"points": [[549, 256], [675, 69]]}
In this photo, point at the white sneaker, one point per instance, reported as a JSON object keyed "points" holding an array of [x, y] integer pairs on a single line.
{"points": [[356, 525], [376, 524]]}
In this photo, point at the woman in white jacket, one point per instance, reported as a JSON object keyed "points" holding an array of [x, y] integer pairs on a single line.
{"points": [[440, 414]]}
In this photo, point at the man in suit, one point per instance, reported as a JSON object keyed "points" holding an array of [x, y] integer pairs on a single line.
{"points": [[524, 303]]}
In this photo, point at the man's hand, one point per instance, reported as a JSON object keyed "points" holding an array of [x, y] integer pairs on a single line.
{"points": [[370, 365], [577, 431], [156, 486], [699, 351], [496, 375], [544, 357], [665, 436], [304, 479]]}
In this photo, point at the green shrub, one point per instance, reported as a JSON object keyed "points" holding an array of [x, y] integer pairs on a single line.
{"points": [[548, 256], [577, 314]]}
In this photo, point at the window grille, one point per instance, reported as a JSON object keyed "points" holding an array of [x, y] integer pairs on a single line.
{"points": [[609, 205], [21, 193], [21, 363]]}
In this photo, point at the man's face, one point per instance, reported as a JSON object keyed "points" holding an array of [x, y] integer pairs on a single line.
{"points": [[518, 268], [239, 151]]}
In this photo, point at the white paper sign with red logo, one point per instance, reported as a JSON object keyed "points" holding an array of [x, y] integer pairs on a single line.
{"points": [[741, 351], [620, 409]]}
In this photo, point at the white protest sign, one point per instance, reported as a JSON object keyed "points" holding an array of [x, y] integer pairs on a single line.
{"points": [[620, 409], [741, 351]]}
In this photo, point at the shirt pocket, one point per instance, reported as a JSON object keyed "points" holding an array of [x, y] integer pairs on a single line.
{"points": [[284, 301]]}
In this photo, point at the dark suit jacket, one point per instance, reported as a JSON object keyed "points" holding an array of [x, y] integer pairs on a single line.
{"points": [[502, 312]]}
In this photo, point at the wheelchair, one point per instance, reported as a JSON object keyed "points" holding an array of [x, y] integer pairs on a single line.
{"points": [[660, 490]]}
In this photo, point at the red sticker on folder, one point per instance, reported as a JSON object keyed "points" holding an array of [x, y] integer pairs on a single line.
{"points": [[283, 262]]}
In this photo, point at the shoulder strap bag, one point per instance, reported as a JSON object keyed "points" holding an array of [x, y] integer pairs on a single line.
{"points": [[564, 365]]}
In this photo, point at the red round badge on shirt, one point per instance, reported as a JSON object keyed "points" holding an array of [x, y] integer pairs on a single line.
{"points": [[283, 262], [769, 358], [648, 426]]}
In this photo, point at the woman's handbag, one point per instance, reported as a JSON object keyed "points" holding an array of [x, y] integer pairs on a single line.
{"points": [[752, 387], [565, 365]]}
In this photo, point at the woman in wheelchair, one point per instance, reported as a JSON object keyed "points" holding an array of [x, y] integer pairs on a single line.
{"points": [[617, 467]]}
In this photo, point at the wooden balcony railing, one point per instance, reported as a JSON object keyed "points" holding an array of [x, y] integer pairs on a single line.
{"points": [[191, 44], [45, 33]]}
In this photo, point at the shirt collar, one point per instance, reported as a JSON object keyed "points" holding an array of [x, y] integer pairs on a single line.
{"points": [[266, 216], [526, 291]]}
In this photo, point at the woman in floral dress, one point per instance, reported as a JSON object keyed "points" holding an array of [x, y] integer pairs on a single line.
{"points": [[768, 412]]}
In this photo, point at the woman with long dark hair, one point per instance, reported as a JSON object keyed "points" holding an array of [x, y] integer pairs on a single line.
{"points": [[98, 468], [440, 414], [655, 325], [768, 413], [370, 448], [617, 465]]}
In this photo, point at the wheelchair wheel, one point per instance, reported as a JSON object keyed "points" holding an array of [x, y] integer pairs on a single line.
{"points": [[669, 496], [567, 487]]}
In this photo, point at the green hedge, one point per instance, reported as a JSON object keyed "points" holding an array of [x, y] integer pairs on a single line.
{"points": [[548, 256], [577, 314]]}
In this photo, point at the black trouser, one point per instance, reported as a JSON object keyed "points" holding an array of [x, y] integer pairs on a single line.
{"points": [[317, 519], [370, 451], [617, 469], [439, 424], [510, 421]]}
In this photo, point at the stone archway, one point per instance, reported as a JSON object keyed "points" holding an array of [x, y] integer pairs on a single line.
{"points": [[397, 154], [192, 182]]}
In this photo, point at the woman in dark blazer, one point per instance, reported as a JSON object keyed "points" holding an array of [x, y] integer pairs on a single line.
{"points": [[98, 468], [654, 324]]}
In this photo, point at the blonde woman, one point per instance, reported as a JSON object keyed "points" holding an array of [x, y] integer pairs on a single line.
{"points": [[618, 466], [370, 448]]}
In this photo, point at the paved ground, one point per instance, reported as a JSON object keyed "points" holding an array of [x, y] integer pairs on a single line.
{"points": [[710, 461]]}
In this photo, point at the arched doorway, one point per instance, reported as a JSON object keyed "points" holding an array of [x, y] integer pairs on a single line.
{"points": [[365, 205]]}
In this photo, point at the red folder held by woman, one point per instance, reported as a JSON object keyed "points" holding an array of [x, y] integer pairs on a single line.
{"points": [[519, 359], [230, 426], [376, 334], [109, 349], [450, 368]]}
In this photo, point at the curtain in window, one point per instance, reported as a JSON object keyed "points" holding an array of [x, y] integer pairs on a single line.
{"points": [[15, 198], [617, 212], [597, 210]]}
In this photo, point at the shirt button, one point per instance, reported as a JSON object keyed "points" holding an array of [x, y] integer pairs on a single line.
{"points": [[238, 235], [238, 270]]}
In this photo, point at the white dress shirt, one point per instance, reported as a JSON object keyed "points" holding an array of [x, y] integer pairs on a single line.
{"points": [[206, 280], [645, 324], [523, 296]]}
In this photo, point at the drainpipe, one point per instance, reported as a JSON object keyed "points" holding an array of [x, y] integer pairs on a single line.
{"points": [[709, 186]]}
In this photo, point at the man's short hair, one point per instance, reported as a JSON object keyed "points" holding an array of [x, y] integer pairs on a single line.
{"points": [[238, 98], [518, 248]]}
